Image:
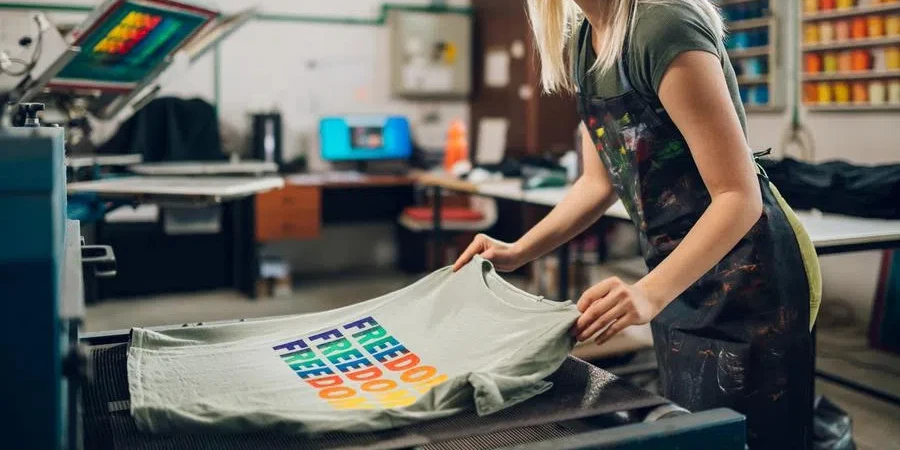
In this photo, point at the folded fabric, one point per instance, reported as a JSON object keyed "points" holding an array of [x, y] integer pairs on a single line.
{"points": [[447, 343]]}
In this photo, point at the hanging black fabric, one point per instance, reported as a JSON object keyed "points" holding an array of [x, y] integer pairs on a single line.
{"points": [[838, 187], [170, 129]]}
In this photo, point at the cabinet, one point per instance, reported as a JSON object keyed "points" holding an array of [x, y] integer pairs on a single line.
{"points": [[294, 212], [755, 51]]}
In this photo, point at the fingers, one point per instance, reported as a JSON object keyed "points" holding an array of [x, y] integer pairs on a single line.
{"points": [[602, 322], [476, 247], [614, 329], [597, 292]]}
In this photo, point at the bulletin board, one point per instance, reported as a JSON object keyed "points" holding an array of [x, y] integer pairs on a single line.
{"points": [[430, 54]]}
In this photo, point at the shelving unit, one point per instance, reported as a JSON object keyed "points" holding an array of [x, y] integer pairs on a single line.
{"points": [[853, 108], [852, 76], [753, 80], [845, 73], [750, 24], [854, 43], [851, 12], [750, 52], [754, 49]]}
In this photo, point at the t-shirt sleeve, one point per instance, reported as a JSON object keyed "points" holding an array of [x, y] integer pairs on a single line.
{"points": [[662, 32]]}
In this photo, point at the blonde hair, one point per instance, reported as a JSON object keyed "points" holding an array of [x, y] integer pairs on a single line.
{"points": [[554, 22]]}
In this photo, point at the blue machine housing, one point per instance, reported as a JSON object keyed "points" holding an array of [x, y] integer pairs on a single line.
{"points": [[32, 243]]}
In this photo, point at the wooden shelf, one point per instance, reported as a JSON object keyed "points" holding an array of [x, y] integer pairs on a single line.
{"points": [[853, 108], [858, 43], [733, 2], [850, 12], [753, 80], [750, 52], [840, 76], [750, 108], [750, 24]]}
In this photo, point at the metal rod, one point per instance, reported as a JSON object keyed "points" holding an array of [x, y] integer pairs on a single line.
{"points": [[437, 248], [563, 272], [856, 386]]}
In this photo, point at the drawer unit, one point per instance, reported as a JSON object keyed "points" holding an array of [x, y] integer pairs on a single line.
{"points": [[294, 212]]}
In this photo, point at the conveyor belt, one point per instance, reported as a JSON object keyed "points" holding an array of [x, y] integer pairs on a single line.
{"points": [[581, 390]]}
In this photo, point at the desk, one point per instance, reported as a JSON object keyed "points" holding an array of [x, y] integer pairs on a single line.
{"points": [[308, 202], [830, 233]]}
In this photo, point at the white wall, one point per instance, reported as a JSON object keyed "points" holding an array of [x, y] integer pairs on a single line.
{"points": [[304, 70]]}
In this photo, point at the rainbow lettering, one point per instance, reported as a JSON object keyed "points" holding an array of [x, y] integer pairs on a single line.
{"points": [[349, 367]]}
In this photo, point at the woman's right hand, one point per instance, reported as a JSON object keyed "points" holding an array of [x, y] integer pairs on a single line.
{"points": [[505, 257]]}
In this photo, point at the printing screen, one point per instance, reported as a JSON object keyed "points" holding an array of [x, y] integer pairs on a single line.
{"points": [[128, 43]]}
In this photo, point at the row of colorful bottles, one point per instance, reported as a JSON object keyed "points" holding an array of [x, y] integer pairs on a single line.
{"points": [[745, 39], [872, 26], [860, 60], [814, 6], [876, 92], [746, 10], [755, 95]]}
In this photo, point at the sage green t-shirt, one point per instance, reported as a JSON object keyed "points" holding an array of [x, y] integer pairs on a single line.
{"points": [[447, 343], [661, 33]]}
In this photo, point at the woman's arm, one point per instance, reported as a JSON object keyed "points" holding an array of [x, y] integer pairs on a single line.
{"points": [[694, 93], [588, 198]]}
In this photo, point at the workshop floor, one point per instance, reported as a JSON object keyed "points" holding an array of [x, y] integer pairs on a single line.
{"points": [[842, 344]]}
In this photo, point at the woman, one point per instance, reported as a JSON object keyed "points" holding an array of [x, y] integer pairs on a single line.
{"points": [[734, 282]]}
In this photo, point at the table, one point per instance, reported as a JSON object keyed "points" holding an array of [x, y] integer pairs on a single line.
{"points": [[830, 233], [177, 189], [191, 168]]}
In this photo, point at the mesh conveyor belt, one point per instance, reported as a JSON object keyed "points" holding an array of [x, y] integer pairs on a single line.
{"points": [[580, 390]]}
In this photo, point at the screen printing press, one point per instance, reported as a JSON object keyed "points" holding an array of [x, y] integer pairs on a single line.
{"points": [[69, 390]]}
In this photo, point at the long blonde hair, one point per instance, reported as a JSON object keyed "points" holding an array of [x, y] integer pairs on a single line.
{"points": [[555, 21]]}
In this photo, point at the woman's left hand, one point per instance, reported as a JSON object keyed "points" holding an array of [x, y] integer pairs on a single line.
{"points": [[614, 305]]}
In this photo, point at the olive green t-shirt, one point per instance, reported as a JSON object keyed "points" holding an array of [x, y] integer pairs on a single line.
{"points": [[661, 33]]}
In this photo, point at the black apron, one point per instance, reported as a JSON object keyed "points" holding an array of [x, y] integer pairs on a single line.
{"points": [[739, 337]]}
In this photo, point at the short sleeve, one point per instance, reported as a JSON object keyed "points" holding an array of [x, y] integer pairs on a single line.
{"points": [[661, 33]]}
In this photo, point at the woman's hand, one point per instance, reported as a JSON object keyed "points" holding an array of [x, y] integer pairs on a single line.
{"points": [[612, 304], [505, 257]]}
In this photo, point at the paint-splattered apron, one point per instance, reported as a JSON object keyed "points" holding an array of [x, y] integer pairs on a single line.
{"points": [[739, 337]]}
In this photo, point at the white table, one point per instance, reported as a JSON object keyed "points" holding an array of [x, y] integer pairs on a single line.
{"points": [[830, 233], [177, 189], [177, 168], [80, 161]]}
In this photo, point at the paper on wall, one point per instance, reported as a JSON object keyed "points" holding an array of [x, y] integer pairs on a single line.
{"points": [[430, 78], [496, 68], [517, 49], [491, 144]]}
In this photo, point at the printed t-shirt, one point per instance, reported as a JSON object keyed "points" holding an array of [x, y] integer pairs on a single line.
{"points": [[447, 343]]}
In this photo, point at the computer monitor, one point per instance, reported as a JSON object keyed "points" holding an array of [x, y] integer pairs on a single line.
{"points": [[365, 138], [126, 42]]}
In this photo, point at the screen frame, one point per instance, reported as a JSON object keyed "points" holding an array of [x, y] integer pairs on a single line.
{"points": [[95, 23]]}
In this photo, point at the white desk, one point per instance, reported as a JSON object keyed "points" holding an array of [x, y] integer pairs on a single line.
{"points": [[179, 168], [79, 161], [830, 233], [211, 189]]}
